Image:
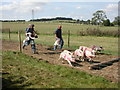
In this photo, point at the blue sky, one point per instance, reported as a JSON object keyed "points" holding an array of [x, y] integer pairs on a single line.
{"points": [[22, 9]]}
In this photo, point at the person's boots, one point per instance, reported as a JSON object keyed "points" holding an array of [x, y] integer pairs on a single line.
{"points": [[55, 47], [23, 46], [33, 49], [34, 52]]}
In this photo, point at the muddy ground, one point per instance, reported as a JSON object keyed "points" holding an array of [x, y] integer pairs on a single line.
{"points": [[45, 52]]}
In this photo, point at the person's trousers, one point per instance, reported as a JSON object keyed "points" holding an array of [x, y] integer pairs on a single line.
{"points": [[27, 42], [61, 44]]}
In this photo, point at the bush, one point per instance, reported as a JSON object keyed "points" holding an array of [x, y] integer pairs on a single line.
{"points": [[98, 32], [111, 24], [106, 22]]}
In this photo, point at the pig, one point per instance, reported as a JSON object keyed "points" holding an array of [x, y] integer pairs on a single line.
{"points": [[78, 53], [67, 55], [89, 55], [83, 48], [97, 48], [88, 52]]}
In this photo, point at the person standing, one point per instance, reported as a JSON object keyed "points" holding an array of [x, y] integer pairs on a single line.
{"points": [[59, 40], [30, 36]]}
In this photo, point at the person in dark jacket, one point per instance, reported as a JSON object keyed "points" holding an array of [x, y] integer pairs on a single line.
{"points": [[59, 40], [30, 36]]}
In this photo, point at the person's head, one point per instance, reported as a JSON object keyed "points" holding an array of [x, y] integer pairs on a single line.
{"points": [[31, 25], [59, 27]]}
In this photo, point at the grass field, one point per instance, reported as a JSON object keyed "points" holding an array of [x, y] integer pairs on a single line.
{"points": [[21, 71], [46, 35], [50, 27], [110, 44]]}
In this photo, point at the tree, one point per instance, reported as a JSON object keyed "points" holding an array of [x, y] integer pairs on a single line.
{"points": [[106, 22], [88, 21], [117, 20], [98, 17], [78, 21], [111, 24]]}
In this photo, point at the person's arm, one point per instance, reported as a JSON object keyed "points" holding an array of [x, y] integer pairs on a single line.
{"points": [[27, 29], [35, 32], [56, 34]]}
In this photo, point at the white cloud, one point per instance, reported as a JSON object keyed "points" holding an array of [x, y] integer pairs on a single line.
{"points": [[111, 11], [8, 7], [111, 8], [21, 8], [78, 7], [64, 0], [58, 8]]}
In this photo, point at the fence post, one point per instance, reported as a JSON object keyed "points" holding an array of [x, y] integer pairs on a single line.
{"points": [[68, 38], [9, 33], [19, 38]]}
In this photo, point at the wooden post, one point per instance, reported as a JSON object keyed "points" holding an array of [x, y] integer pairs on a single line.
{"points": [[68, 38], [9, 33], [19, 38]]}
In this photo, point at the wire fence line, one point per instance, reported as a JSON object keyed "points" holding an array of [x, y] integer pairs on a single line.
{"points": [[21, 36], [72, 41], [87, 32]]}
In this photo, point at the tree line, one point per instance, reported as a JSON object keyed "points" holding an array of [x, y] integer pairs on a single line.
{"points": [[99, 18], [51, 19], [12, 20]]}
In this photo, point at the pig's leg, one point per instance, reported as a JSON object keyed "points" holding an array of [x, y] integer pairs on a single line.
{"points": [[69, 62]]}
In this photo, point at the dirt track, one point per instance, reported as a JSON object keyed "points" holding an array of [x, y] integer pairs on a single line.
{"points": [[46, 53]]}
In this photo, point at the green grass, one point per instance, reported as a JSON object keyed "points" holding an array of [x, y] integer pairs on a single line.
{"points": [[21, 71], [50, 27]]}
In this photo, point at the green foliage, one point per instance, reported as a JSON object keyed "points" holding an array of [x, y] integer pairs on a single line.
{"points": [[117, 20], [106, 22], [98, 17], [111, 24], [98, 32], [22, 71]]}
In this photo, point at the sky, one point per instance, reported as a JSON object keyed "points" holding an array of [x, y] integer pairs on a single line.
{"points": [[76, 9]]}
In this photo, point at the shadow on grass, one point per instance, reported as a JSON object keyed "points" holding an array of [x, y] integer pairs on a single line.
{"points": [[101, 53], [75, 64], [92, 62], [51, 53], [86, 60], [18, 83]]}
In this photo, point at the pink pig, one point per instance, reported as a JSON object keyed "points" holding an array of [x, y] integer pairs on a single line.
{"points": [[88, 52], [78, 53], [66, 55], [83, 48], [89, 55]]}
